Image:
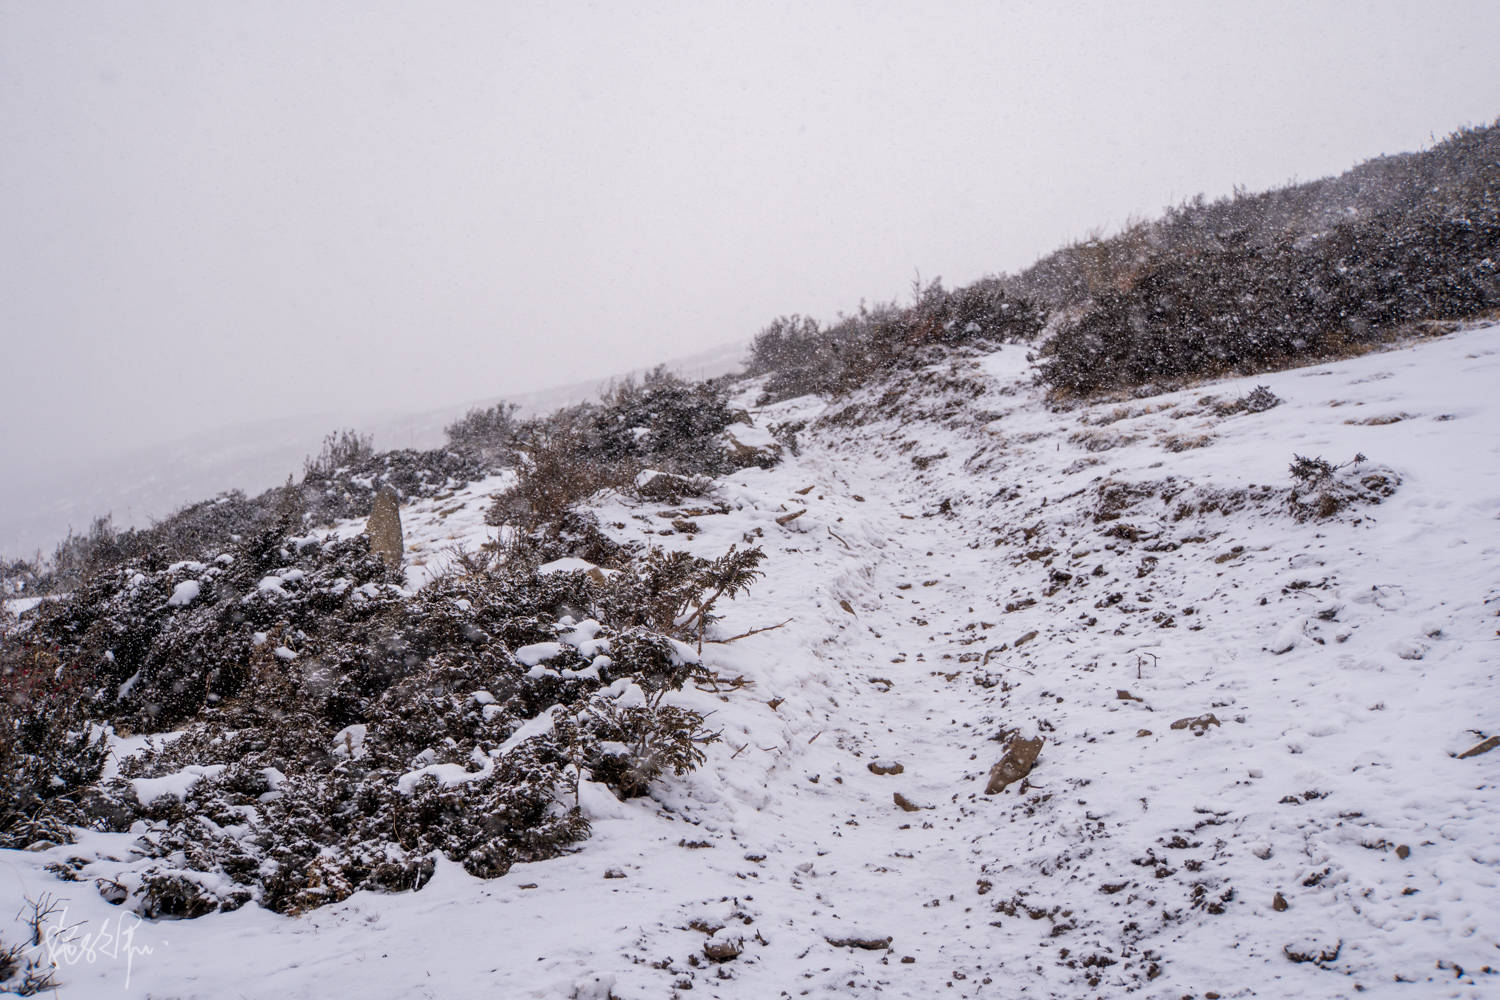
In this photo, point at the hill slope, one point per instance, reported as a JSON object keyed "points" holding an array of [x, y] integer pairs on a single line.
{"points": [[1235, 704]]}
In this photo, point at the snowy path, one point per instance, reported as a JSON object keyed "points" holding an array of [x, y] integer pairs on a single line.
{"points": [[967, 567]]}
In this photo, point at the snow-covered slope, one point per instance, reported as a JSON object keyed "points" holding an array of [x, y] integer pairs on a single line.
{"points": [[1250, 783]]}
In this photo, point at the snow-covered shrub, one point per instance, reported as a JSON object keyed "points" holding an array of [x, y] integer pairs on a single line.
{"points": [[1257, 400], [337, 732], [49, 753], [1321, 489], [632, 746], [341, 449], [664, 487], [151, 647], [560, 466], [489, 433], [662, 422], [460, 721], [1071, 277], [676, 593], [20, 578], [349, 490], [202, 530], [25, 970], [801, 357], [1210, 301]]}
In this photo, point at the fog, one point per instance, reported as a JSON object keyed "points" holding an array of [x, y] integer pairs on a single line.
{"points": [[218, 214]]}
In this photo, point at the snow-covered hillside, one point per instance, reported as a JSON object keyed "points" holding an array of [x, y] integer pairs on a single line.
{"points": [[1251, 782]]}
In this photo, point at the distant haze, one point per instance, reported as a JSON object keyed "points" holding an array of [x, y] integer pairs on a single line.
{"points": [[219, 214]]}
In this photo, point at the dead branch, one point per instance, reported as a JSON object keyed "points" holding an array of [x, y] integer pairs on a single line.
{"points": [[754, 631]]}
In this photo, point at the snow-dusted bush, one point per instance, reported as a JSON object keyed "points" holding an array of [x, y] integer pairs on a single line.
{"points": [[462, 721], [661, 422], [1074, 275], [49, 753], [559, 468], [489, 433], [801, 357], [341, 449], [337, 732], [1257, 400], [328, 492], [1322, 490], [1206, 302], [349, 490], [150, 647]]}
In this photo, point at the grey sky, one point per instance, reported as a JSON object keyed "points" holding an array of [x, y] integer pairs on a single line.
{"points": [[213, 212]]}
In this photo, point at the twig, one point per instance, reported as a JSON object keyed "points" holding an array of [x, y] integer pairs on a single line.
{"points": [[841, 541], [754, 631]]}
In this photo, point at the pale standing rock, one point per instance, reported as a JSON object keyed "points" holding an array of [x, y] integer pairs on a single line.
{"points": [[384, 527]]}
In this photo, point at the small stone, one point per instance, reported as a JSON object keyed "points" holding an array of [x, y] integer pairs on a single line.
{"points": [[907, 960], [1279, 903], [1143, 732], [1198, 724], [1020, 757], [885, 767], [1313, 951], [867, 943], [1123, 695], [664, 487], [905, 803], [1026, 638], [613, 873], [746, 453], [1479, 748], [1403, 852], [723, 949]]}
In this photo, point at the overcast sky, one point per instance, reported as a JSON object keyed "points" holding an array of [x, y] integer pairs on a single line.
{"points": [[212, 212]]}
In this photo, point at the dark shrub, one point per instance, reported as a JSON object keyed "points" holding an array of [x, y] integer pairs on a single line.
{"points": [[341, 450], [662, 422], [459, 720], [1321, 490], [800, 357], [49, 753], [489, 434], [1211, 297]]}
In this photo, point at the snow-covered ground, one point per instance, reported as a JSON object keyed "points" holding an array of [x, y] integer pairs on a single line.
{"points": [[971, 565]]}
